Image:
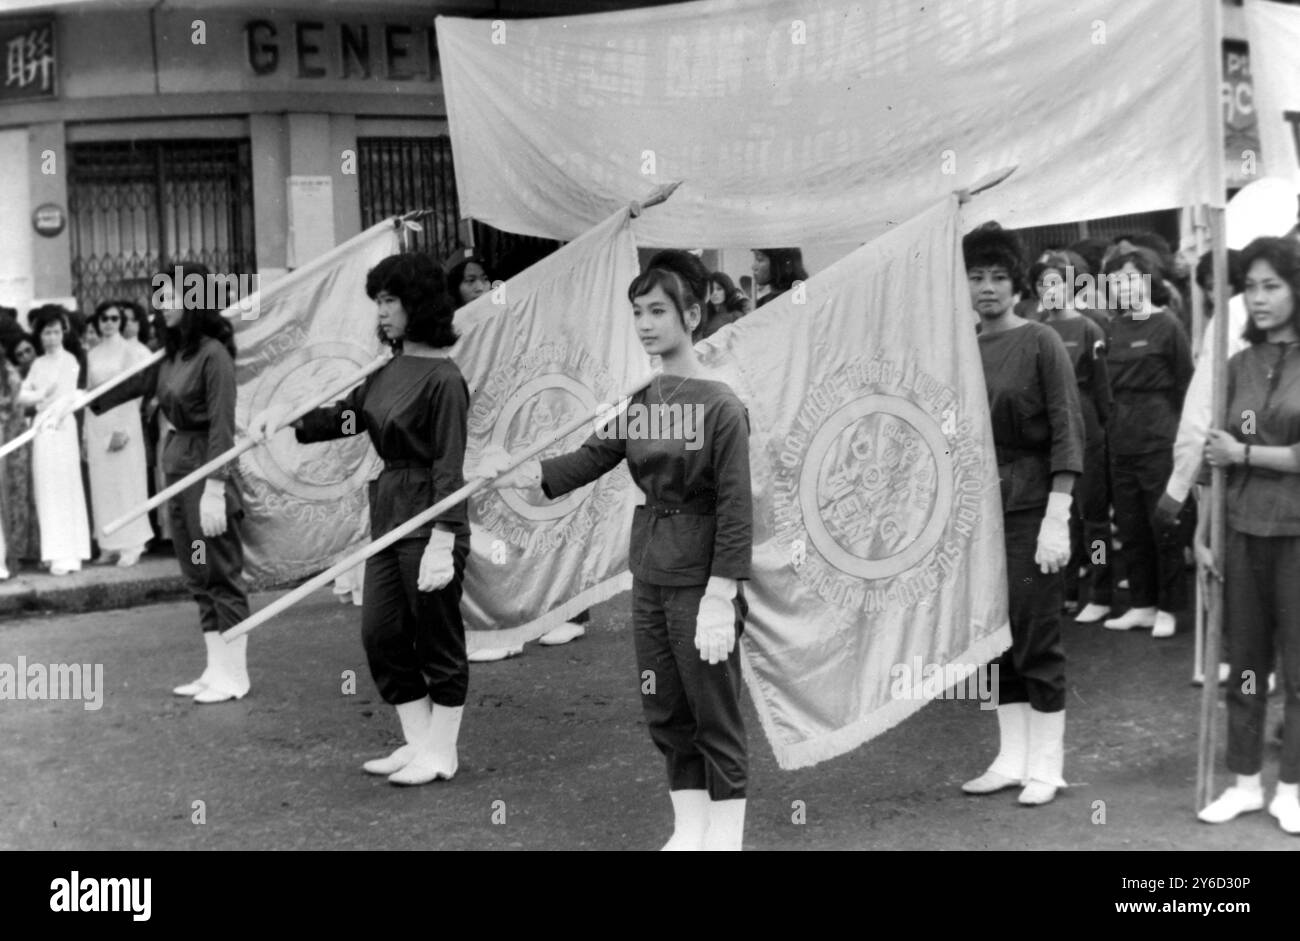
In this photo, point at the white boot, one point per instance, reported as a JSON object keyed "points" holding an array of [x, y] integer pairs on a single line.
{"points": [[210, 641], [1046, 757], [1244, 797], [1133, 617], [230, 679], [1166, 624], [415, 724], [1010, 767], [690, 820], [726, 825], [435, 755]]}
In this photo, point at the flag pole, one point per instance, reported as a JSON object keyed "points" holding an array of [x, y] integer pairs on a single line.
{"points": [[84, 399], [225, 457], [1198, 344], [600, 413], [1218, 517]]}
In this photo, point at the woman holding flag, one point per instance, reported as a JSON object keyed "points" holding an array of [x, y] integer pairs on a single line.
{"points": [[415, 409], [1039, 436], [691, 549], [195, 386]]}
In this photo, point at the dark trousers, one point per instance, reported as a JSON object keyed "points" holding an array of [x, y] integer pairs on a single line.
{"points": [[414, 640], [1090, 530], [211, 568], [1033, 670], [1261, 593], [692, 707], [1152, 557]]}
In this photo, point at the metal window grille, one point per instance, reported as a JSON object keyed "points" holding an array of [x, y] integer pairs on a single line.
{"points": [[137, 207], [399, 175]]}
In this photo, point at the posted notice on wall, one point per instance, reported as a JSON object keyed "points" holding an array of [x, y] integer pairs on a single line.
{"points": [[311, 218]]}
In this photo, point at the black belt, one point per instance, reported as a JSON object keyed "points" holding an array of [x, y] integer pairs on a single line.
{"points": [[1008, 455], [406, 465], [699, 507]]}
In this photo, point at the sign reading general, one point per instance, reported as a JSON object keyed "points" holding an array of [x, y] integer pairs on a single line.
{"points": [[30, 65]]}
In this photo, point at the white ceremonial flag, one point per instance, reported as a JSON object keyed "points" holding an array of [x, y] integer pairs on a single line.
{"points": [[1274, 31], [306, 507], [828, 122], [538, 351], [878, 548]]}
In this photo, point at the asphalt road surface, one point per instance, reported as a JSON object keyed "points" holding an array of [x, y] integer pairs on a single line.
{"points": [[554, 753]]}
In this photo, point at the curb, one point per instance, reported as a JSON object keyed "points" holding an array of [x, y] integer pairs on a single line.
{"points": [[94, 588]]}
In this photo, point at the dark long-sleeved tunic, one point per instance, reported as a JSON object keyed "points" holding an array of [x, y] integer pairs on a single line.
{"points": [[698, 517], [1085, 342], [196, 391], [1150, 363], [1264, 410], [1034, 408], [415, 409]]}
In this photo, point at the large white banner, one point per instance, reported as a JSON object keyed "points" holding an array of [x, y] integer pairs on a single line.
{"points": [[542, 349], [1274, 32], [831, 121], [306, 507], [879, 574]]}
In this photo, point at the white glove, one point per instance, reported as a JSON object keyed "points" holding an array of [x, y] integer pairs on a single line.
{"points": [[437, 567], [260, 425], [493, 463], [212, 508], [715, 624], [1053, 552]]}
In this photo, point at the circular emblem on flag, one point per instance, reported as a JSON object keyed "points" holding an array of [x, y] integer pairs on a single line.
{"points": [[876, 488], [536, 410], [321, 472]]}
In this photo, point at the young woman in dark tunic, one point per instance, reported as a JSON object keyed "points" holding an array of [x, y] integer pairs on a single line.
{"points": [[1038, 433], [415, 409], [1260, 447], [690, 551], [195, 387], [1150, 363], [1085, 342]]}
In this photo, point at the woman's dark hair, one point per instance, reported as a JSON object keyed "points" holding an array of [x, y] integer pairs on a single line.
{"points": [[14, 340], [1155, 243], [1062, 262], [1147, 263], [991, 246], [683, 278], [1283, 256], [1091, 250], [137, 314], [418, 282], [785, 267], [1236, 274], [734, 300], [41, 317], [198, 320], [456, 274]]}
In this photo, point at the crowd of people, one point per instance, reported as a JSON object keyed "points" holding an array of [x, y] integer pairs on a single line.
{"points": [[1098, 461], [81, 471], [1101, 422]]}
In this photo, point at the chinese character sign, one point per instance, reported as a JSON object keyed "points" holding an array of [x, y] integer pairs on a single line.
{"points": [[30, 63]]}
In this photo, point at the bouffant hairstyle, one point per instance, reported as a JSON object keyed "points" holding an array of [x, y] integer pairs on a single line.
{"points": [[991, 246], [41, 317], [734, 299], [1283, 256], [1061, 262], [1147, 264], [418, 282], [683, 277], [198, 320]]}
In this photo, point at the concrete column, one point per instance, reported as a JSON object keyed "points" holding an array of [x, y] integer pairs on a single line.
{"points": [[51, 257]]}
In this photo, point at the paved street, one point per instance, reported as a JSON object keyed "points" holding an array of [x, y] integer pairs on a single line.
{"points": [[554, 747]]}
